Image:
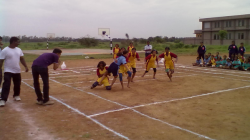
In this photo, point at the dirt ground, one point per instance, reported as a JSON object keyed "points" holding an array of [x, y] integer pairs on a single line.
{"points": [[200, 103]]}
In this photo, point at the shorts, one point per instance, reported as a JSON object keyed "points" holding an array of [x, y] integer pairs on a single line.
{"points": [[149, 66], [113, 68], [105, 81], [132, 65], [169, 65], [114, 56]]}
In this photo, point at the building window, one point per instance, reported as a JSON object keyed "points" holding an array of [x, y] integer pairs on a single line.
{"points": [[217, 24], [228, 37], [241, 23], [207, 25], [216, 37], [228, 24], [240, 35]]}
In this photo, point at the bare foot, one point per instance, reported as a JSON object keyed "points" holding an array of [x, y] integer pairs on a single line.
{"points": [[128, 86], [154, 77], [91, 87], [142, 76], [132, 80]]}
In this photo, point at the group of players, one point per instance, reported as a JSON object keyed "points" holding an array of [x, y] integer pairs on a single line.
{"points": [[125, 62]]}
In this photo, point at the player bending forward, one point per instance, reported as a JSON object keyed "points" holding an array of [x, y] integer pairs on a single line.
{"points": [[101, 69], [114, 67], [169, 64], [150, 59]]}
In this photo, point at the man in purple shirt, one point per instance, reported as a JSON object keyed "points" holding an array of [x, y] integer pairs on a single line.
{"points": [[40, 67]]}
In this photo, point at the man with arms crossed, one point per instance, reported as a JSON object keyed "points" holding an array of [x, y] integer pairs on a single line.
{"points": [[12, 55], [147, 49], [40, 67]]}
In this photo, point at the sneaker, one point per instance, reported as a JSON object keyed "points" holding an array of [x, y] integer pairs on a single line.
{"points": [[17, 98], [39, 102], [48, 103], [2, 103]]}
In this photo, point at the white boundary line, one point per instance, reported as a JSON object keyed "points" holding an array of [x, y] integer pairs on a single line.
{"points": [[179, 99], [174, 126], [81, 113]]}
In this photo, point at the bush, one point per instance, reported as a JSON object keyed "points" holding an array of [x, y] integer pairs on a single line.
{"points": [[88, 41], [187, 46], [194, 46], [63, 43], [177, 41], [179, 45], [39, 44]]}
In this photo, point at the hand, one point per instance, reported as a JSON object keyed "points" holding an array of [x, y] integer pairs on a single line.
{"points": [[59, 62], [176, 61], [26, 69], [138, 59], [116, 61]]}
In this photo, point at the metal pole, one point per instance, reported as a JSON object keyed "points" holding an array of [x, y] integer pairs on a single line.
{"points": [[110, 44], [47, 43]]}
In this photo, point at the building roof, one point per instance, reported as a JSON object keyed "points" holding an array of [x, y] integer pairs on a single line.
{"points": [[197, 31], [225, 18]]}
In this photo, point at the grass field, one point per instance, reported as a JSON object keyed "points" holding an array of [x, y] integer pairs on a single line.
{"points": [[184, 50], [200, 104]]}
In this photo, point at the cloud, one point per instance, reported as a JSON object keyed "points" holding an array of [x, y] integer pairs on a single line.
{"points": [[139, 18]]}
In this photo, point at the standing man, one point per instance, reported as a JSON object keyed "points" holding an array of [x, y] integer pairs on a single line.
{"points": [[147, 49], [1, 76], [233, 50], [12, 55], [201, 51], [40, 67], [242, 49]]}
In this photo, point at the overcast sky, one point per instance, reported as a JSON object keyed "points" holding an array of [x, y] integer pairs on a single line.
{"points": [[138, 18]]}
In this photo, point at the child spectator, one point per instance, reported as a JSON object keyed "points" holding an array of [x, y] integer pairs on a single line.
{"points": [[236, 63], [206, 61], [218, 62], [198, 62], [217, 57], [209, 56], [223, 61], [246, 64], [212, 61], [242, 49], [241, 58], [228, 64]]}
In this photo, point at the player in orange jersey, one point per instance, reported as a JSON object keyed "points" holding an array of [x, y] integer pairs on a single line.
{"points": [[115, 51], [130, 47], [132, 63]]}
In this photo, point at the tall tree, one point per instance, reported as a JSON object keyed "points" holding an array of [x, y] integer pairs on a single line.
{"points": [[222, 35]]}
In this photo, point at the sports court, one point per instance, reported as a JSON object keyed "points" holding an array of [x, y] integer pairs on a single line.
{"points": [[200, 103]]}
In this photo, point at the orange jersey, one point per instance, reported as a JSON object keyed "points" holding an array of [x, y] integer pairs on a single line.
{"points": [[151, 59]]}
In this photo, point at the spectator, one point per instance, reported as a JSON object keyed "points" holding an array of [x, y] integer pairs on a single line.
{"points": [[198, 62], [147, 49], [201, 51], [12, 55], [1, 77], [242, 49], [233, 50]]}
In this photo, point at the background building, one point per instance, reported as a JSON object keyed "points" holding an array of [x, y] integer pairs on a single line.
{"points": [[238, 28]]}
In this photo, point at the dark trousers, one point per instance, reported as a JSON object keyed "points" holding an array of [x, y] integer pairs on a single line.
{"points": [[43, 72], [7, 82], [201, 55]]}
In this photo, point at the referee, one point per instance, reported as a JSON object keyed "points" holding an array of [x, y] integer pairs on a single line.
{"points": [[147, 49]]}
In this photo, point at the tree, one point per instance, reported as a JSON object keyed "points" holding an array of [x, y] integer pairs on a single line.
{"points": [[222, 35], [158, 39]]}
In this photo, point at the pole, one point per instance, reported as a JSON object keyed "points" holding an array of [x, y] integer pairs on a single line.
{"points": [[110, 44]]}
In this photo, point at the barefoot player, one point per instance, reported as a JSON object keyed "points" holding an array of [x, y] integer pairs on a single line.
{"points": [[169, 64], [132, 63]]}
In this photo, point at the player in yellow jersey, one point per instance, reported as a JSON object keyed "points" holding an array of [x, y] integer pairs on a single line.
{"points": [[150, 62], [101, 69], [130, 47], [132, 63], [169, 64], [115, 51]]}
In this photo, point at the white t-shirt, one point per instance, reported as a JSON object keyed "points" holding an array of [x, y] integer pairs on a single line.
{"points": [[148, 47], [12, 59]]}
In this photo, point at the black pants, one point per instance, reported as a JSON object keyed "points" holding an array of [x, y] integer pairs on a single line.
{"points": [[7, 82], [201, 55], [36, 71]]}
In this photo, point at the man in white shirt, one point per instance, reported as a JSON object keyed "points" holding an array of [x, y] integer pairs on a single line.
{"points": [[147, 49], [12, 55]]}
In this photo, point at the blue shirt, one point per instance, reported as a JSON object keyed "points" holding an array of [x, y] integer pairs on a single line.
{"points": [[228, 63], [206, 61], [121, 60], [198, 61], [46, 59]]}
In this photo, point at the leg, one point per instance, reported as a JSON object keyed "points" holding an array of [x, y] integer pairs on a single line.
{"points": [[121, 81], [94, 85], [45, 77], [134, 71], [17, 84], [169, 76], [114, 79], [154, 72], [1, 77], [6, 86], [203, 56], [35, 75], [129, 78], [104, 75]]}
